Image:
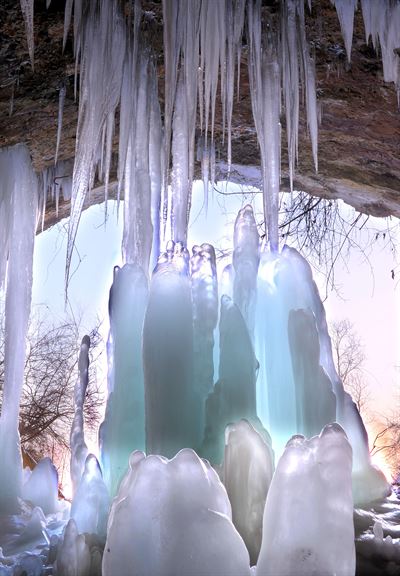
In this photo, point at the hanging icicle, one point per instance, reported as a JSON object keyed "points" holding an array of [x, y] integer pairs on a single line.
{"points": [[345, 10], [27, 11], [61, 102], [102, 42]]}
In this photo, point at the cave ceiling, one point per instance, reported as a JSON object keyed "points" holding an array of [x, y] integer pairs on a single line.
{"points": [[359, 134]]}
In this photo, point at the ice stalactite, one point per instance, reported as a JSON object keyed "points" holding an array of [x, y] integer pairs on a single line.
{"points": [[79, 450], [297, 67], [382, 25], [102, 39], [171, 405], [246, 257], [61, 102], [173, 517], [345, 10], [312, 482], [142, 159], [264, 74], [123, 429], [156, 168], [19, 205], [27, 7], [234, 395], [180, 166], [205, 317], [247, 474]]}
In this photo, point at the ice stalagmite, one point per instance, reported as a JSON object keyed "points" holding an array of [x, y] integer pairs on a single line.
{"points": [[79, 450], [172, 517], [247, 472], [73, 555], [246, 257], [27, 7], [18, 209], [308, 515], [315, 400], [91, 501], [205, 317], [41, 488], [173, 413], [234, 395], [123, 429], [102, 39]]}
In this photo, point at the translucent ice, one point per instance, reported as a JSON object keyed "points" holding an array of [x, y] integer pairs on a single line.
{"points": [[172, 409], [91, 501], [173, 517], [19, 204], [79, 450], [248, 469], [27, 11], [308, 515], [234, 395], [73, 556], [124, 427], [41, 487]]}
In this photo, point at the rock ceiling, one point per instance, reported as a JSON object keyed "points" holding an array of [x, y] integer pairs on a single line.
{"points": [[359, 136]]}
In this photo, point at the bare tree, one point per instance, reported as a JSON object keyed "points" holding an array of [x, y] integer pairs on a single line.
{"points": [[47, 403], [349, 358]]}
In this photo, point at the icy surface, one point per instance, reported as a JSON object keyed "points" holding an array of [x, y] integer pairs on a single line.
{"points": [[248, 469], [41, 488], [311, 493], [173, 412], [79, 450], [91, 501], [246, 257], [173, 517], [123, 429], [234, 395], [19, 203]]}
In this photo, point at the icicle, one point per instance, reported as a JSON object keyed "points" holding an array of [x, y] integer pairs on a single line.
{"points": [[11, 106], [345, 10], [156, 165], [180, 166], [48, 2], [103, 50], [27, 11], [61, 101]]}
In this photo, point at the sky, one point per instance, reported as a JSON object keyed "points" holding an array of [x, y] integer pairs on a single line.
{"points": [[365, 292]]}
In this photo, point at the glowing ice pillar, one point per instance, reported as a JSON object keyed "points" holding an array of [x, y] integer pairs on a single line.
{"points": [[18, 208]]}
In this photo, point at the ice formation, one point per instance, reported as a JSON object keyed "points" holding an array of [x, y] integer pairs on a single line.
{"points": [[18, 203], [41, 488], [123, 429], [79, 450], [311, 492], [247, 472], [27, 7], [61, 101], [173, 517]]}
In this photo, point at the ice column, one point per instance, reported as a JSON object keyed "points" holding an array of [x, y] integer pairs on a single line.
{"points": [[247, 472], [78, 446], [123, 429], [246, 258], [234, 395], [308, 515], [173, 517], [205, 317], [173, 413], [18, 209]]}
